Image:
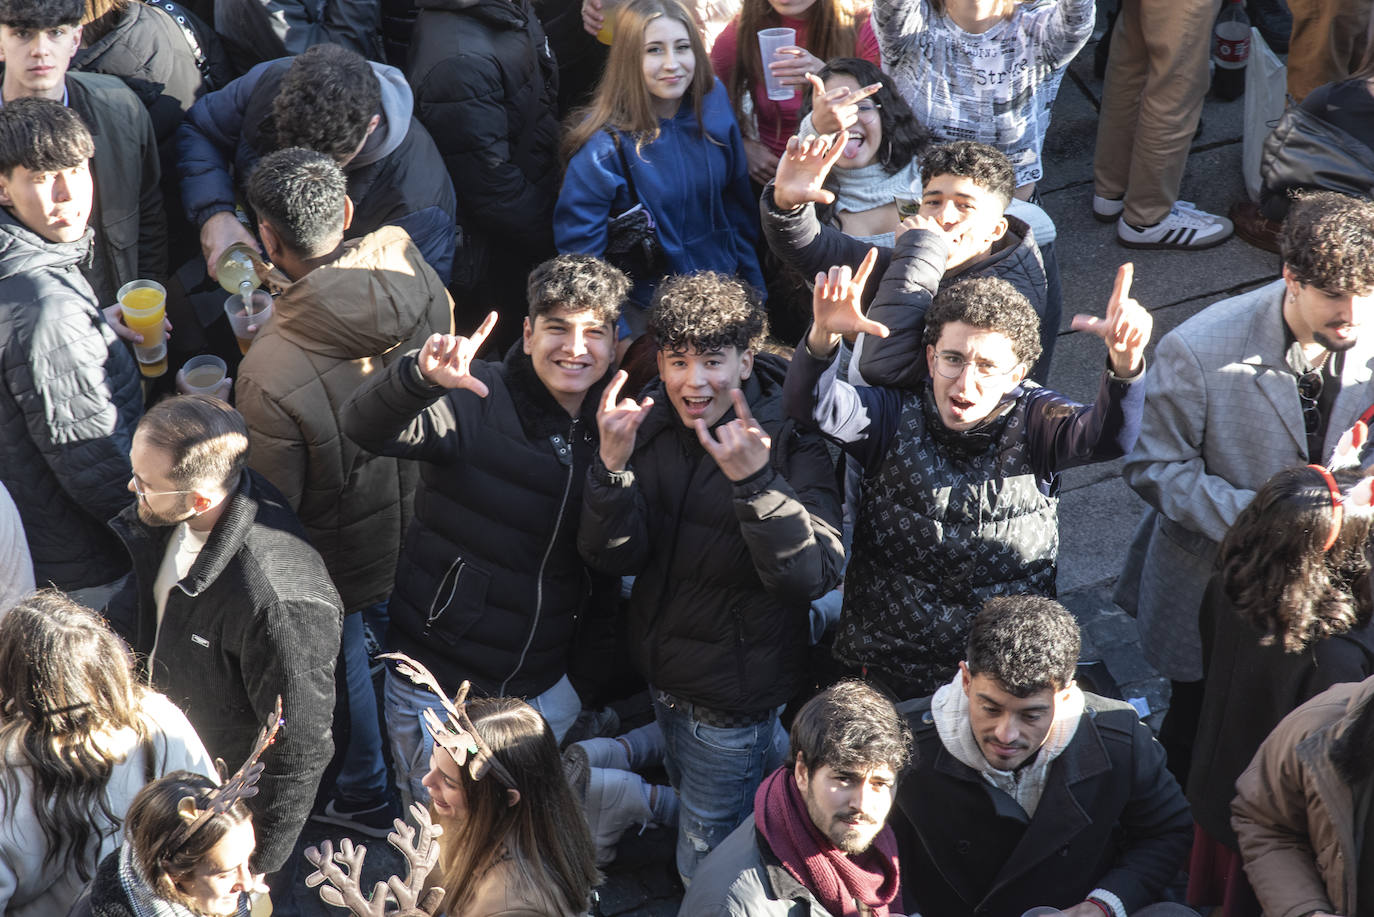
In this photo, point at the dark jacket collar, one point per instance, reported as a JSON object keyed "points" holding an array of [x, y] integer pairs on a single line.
{"points": [[540, 414]]}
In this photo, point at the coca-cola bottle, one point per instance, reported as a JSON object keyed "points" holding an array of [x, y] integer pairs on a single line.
{"points": [[1230, 51]]}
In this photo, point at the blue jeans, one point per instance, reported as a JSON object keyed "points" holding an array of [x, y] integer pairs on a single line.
{"points": [[362, 777], [715, 772], [411, 743]]}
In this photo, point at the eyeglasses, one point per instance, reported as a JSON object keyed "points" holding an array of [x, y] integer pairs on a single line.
{"points": [[1310, 393], [952, 366], [867, 109], [145, 494]]}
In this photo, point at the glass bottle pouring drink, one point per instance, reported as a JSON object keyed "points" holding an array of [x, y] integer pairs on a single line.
{"points": [[237, 271]]}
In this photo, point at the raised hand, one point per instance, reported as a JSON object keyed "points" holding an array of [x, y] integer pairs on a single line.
{"points": [[802, 170], [739, 447], [837, 307], [619, 420], [1125, 330], [593, 18], [446, 359], [838, 109]]}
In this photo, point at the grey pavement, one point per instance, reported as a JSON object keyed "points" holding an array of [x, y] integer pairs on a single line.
{"points": [[1098, 512]]}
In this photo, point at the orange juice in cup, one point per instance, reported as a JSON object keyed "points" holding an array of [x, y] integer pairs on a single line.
{"points": [[607, 33], [144, 305]]}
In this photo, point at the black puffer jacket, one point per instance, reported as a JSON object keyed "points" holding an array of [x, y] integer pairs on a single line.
{"points": [[149, 51], [486, 87], [260, 30], [725, 571], [255, 617], [489, 584], [69, 402]]}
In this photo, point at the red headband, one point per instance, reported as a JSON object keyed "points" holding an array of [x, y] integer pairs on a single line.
{"points": [[1337, 513]]}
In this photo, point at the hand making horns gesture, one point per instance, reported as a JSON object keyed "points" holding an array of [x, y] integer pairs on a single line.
{"points": [[1125, 330], [446, 359], [618, 420], [739, 447], [837, 307]]}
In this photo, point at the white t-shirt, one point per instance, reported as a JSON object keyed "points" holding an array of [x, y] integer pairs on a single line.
{"points": [[183, 548], [996, 88]]}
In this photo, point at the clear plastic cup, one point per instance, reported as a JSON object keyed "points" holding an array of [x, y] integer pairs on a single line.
{"points": [[770, 40], [256, 313], [144, 306], [202, 375]]}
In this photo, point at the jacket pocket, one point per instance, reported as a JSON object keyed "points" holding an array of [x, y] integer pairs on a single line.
{"points": [[458, 602]]}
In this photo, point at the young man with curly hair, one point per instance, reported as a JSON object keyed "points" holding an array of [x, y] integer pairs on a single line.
{"points": [[330, 100], [1028, 791], [489, 586], [1250, 385], [960, 493], [727, 516]]}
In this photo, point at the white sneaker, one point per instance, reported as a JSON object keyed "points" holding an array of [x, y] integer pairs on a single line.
{"points": [[1185, 229], [1108, 209]]}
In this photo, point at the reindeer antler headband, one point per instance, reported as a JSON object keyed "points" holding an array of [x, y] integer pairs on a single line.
{"points": [[457, 736], [240, 786]]}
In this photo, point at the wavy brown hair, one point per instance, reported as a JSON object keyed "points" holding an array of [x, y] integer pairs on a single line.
{"points": [[66, 683], [544, 835], [830, 30], [622, 101], [1275, 572]]}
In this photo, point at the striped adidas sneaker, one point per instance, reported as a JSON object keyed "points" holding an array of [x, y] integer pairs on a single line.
{"points": [[1185, 228]]}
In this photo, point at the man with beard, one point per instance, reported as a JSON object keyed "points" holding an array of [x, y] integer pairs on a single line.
{"points": [[1030, 792], [1249, 386], [818, 837], [228, 607]]}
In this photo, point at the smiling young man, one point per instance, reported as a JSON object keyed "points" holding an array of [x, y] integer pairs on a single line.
{"points": [[818, 835], [1027, 791], [70, 394], [968, 188], [489, 584], [38, 39], [728, 517], [960, 495]]}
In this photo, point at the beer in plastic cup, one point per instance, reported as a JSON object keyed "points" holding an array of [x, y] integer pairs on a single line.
{"points": [[144, 306], [257, 311], [202, 375], [770, 40]]}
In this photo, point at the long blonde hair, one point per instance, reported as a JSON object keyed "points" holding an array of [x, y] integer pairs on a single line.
{"points": [[830, 33], [622, 101], [544, 836]]}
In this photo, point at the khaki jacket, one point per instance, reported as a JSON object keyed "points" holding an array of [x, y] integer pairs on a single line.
{"points": [[330, 330], [1292, 812]]}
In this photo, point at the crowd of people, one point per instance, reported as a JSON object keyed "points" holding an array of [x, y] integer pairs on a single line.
{"points": [[612, 350]]}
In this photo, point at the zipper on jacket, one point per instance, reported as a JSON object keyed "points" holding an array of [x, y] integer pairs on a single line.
{"points": [[456, 570], [559, 448]]}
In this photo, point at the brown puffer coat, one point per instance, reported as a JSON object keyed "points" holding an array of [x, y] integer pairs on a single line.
{"points": [[1293, 812], [330, 330]]}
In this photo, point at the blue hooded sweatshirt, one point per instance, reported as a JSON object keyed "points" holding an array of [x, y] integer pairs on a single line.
{"points": [[696, 187]]}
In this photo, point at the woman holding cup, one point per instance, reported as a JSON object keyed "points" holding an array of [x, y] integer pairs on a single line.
{"points": [[799, 37]]}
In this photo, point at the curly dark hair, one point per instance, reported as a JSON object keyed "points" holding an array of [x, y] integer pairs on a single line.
{"points": [[1025, 642], [41, 14], [986, 167], [326, 100], [1275, 572], [903, 136], [992, 304], [42, 136], [1326, 242], [851, 724], [300, 193], [705, 312], [578, 282]]}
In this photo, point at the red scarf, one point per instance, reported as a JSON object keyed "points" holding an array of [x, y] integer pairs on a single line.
{"points": [[835, 878]]}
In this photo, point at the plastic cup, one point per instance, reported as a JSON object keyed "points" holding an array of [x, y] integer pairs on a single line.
{"points": [[257, 311], [144, 305], [608, 10], [202, 375], [770, 40]]}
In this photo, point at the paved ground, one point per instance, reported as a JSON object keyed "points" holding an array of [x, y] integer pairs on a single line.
{"points": [[1097, 512]]}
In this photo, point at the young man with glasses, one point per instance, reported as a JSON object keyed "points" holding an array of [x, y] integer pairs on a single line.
{"points": [[959, 498], [1245, 388]]}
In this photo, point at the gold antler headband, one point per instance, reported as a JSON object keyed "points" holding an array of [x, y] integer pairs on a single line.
{"points": [[457, 736], [240, 786]]}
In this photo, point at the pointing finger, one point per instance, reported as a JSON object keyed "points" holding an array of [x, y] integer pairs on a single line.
{"points": [[612, 392], [866, 268], [483, 330], [742, 407], [1124, 275]]}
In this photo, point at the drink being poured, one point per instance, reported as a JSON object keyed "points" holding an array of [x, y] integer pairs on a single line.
{"points": [[237, 269]]}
